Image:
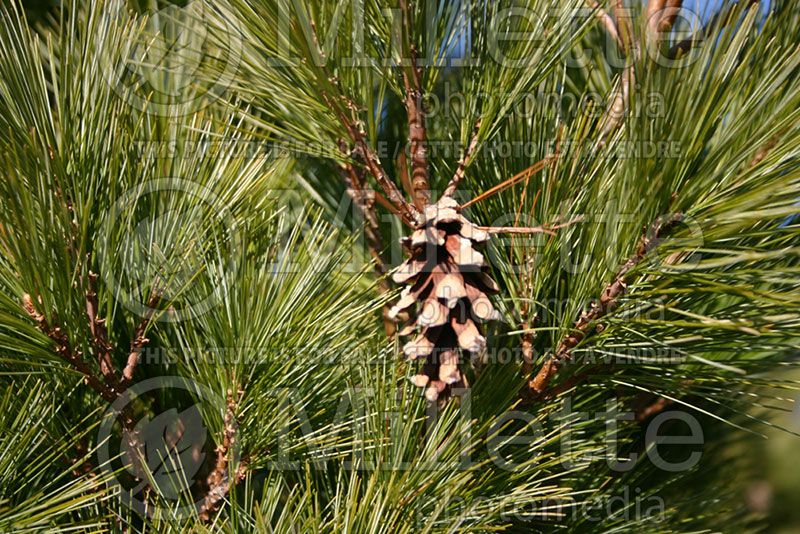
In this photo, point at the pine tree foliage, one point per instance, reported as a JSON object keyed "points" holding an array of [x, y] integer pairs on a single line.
{"points": [[221, 225]]}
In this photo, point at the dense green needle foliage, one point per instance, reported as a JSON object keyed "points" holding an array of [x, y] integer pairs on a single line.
{"points": [[191, 334]]}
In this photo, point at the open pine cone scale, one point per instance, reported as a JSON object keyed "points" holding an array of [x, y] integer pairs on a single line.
{"points": [[448, 280]]}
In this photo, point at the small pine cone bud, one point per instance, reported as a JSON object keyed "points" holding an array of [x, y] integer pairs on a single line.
{"points": [[599, 327]]}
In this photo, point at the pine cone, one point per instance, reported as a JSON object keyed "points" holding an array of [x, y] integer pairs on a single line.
{"points": [[448, 277]]}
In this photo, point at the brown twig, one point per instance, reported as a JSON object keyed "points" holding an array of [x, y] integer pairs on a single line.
{"points": [[533, 169], [385, 204], [139, 341], [528, 320], [65, 351], [408, 212], [526, 345], [417, 133], [466, 159], [620, 98], [108, 391], [655, 10], [354, 179], [661, 15], [549, 230], [657, 406], [417, 140], [574, 381], [607, 20], [97, 326], [670, 13], [608, 301], [219, 481], [517, 230]]}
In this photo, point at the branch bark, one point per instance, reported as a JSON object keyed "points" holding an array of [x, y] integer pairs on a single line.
{"points": [[219, 480], [97, 326], [671, 10], [108, 390], [574, 381], [661, 15], [417, 133], [138, 342], [524, 230], [66, 352], [408, 212]]}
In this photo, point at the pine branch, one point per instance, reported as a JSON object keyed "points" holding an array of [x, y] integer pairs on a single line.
{"points": [[66, 352], [620, 98], [607, 21], [356, 189], [466, 159], [139, 341], [408, 212], [668, 16], [109, 389], [608, 301], [219, 481], [415, 112], [97, 326], [760, 154]]}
